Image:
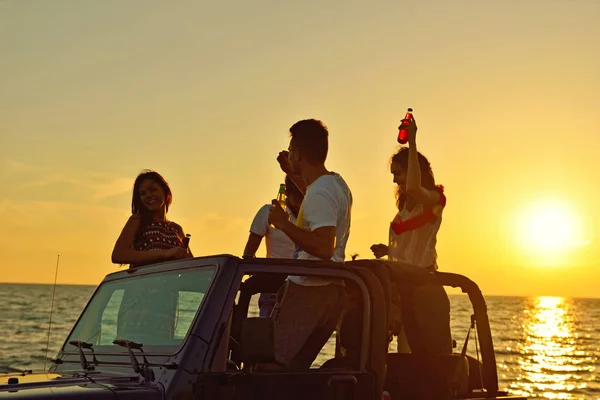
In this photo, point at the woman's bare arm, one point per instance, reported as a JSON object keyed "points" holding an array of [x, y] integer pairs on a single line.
{"points": [[414, 189], [123, 252]]}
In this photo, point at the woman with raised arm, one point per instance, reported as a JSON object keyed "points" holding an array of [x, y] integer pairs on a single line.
{"points": [[412, 241]]}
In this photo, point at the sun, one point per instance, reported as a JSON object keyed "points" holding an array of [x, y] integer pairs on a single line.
{"points": [[549, 228]]}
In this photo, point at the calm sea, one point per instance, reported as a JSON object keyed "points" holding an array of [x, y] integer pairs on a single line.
{"points": [[545, 346]]}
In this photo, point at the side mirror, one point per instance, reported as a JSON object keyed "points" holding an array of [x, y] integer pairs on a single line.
{"points": [[258, 341]]}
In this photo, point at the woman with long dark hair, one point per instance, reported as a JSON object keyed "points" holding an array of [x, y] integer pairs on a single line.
{"points": [[148, 236]]}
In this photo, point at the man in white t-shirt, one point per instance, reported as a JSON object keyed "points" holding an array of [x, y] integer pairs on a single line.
{"points": [[309, 307], [277, 243]]}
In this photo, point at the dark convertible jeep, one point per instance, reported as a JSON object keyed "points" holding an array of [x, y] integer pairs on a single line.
{"points": [[185, 330]]}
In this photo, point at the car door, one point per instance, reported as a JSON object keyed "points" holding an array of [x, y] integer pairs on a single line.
{"points": [[320, 382]]}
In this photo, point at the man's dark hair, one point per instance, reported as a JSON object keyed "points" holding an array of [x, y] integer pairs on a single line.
{"points": [[310, 136]]}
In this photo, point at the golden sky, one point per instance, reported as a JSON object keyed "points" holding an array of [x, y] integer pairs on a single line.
{"points": [[506, 95]]}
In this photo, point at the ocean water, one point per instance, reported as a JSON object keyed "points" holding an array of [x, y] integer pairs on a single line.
{"points": [[546, 347]]}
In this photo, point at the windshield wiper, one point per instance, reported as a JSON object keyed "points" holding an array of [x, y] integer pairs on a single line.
{"points": [[84, 362], [145, 371]]}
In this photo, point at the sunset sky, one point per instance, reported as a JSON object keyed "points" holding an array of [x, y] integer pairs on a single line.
{"points": [[506, 95]]}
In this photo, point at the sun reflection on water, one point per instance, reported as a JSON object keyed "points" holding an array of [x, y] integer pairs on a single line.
{"points": [[549, 358]]}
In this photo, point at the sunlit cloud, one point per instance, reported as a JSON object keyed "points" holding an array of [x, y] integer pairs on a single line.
{"points": [[58, 206], [100, 186], [215, 222], [40, 181], [14, 214], [103, 190], [13, 166]]}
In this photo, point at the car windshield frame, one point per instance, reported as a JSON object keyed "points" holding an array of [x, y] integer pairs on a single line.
{"points": [[88, 327]]}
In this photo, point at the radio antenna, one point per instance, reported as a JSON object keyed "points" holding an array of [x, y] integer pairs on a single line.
{"points": [[51, 309]]}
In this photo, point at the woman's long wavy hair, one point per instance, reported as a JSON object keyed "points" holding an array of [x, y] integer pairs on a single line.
{"points": [[137, 206], [427, 178]]}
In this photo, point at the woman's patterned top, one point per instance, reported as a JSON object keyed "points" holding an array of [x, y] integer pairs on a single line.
{"points": [[159, 236]]}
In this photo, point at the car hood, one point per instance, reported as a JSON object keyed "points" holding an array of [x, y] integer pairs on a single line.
{"points": [[55, 386]]}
